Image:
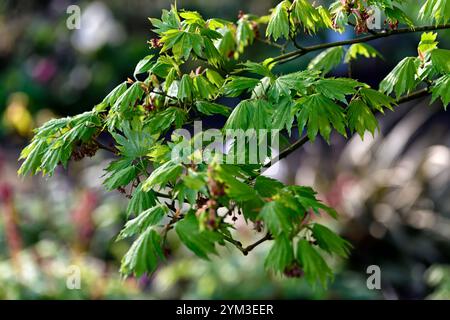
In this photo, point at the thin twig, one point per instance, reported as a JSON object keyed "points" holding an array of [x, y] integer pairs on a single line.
{"points": [[386, 33], [246, 250]]}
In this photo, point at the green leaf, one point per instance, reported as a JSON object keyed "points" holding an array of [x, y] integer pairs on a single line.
{"points": [[402, 78], [281, 255], [214, 77], [182, 43], [144, 254], [202, 243], [361, 49], [134, 142], [163, 120], [279, 23], [277, 218], [149, 217], [203, 88], [337, 88], [257, 68], [244, 36], [241, 116], [376, 99], [234, 188], [441, 88], [395, 14], [129, 97], [169, 20], [112, 97], [261, 114], [361, 118], [162, 175], [140, 201], [297, 81], [330, 241], [144, 65], [311, 18], [267, 187], [283, 116], [185, 88], [437, 10], [235, 86], [427, 42], [120, 178], [32, 154], [441, 60], [307, 198], [319, 114], [210, 108], [327, 60], [314, 266]]}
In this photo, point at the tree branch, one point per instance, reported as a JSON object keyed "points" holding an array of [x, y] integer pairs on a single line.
{"points": [[246, 250], [383, 34]]}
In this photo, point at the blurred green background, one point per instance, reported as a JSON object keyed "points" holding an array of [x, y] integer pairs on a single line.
{"points": [[393, 190]]}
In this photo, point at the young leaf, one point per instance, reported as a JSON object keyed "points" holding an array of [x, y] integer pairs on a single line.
{"points": [[437, 10], [427, 42], [280, 255], [315, 267], [402, 78], [336, 88], [297, 81], [361, 118], [120, 178], [311, 18], [330, 241], [129, 97], [202, 243], [162, 175], [144, 254], [234, 188], [279, 23], [241, 116], [441, 60], [140, 201], [441, 88], [327, 60], [277, 217], [319, 114], [361, 49], [149, 217], [283, 117], [163, 120], [144, 65], [376, 99], [235, 86], [112, 97], [185, 88], [209, 108], [244, 34], [267, 187]]}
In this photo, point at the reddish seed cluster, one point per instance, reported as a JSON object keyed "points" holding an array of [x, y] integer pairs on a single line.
{"points": [[155, 43], [84, 149], [255, 29], [293, 271]]}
